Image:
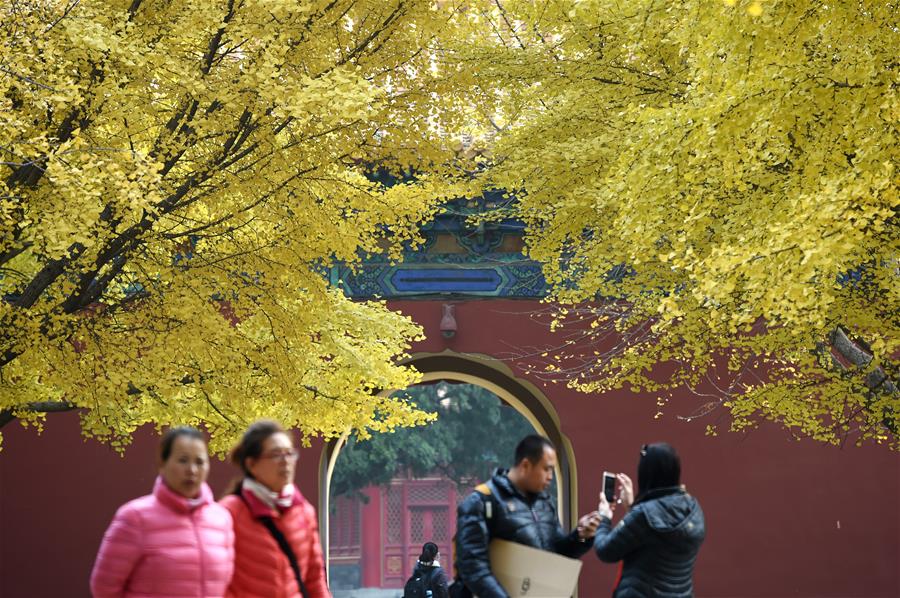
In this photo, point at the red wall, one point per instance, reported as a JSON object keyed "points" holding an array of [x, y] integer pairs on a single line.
{"points": [[59, 492], [784, 518]]}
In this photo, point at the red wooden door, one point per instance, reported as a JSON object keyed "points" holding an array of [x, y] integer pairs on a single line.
{"points": [[416, 512]]}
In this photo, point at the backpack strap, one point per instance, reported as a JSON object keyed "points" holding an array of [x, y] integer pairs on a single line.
{"points": [[428, 578], [485, 491], [283, 544]]}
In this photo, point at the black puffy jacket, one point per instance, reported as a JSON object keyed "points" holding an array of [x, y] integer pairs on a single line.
{"points": [[658, 540], [529, 520]]}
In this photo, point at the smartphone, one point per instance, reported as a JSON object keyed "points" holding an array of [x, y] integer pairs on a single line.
{"points": [[609, 486]]}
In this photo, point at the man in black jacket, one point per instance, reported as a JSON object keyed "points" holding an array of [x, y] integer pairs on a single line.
{"points": [[514, 505]]}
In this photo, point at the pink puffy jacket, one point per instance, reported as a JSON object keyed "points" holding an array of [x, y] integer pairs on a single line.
{"points": [[162, 545]]}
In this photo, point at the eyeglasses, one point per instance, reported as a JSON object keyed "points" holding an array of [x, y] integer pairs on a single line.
{"points": [[281, 455]]}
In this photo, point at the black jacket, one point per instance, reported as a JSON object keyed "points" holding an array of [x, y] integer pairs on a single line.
{"points": [[437, 579], [529, 520], [658, 540]]}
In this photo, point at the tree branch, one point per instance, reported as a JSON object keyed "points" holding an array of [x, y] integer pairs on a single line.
{"points": [[7, 415]]}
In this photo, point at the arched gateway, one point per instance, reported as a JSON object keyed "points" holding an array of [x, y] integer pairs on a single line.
{"points": [[493, 375]]}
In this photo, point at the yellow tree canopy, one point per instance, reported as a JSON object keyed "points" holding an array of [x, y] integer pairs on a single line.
{"points": [[726, 172], [173, 178]]}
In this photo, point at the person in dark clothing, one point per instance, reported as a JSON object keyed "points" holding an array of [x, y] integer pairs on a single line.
{"points": [[658, 540], [429, 569], [514, 505]]}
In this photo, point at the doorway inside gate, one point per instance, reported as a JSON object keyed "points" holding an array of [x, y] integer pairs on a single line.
{"points": [[391, 493], [394, 492]]}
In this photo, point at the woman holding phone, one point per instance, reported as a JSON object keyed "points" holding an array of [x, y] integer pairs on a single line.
{"points": [[658, 540]]}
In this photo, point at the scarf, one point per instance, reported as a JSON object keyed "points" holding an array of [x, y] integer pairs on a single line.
{"points": [[193, 503], [274, 500], [176, 501]]}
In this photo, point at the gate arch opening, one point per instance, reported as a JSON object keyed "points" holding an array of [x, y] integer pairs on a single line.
{"points": [[494, 376]]}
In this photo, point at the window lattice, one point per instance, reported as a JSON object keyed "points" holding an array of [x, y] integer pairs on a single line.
{"points": [[344, 526], [429, 493], [440, 522], [417, 526], [394, 514]]}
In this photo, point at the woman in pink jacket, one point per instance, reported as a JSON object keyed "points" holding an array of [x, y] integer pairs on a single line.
{"points": [[175, 542]]}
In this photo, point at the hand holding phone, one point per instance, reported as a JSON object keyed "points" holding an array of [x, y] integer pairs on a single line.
{"points": [[607, 495], [626, 494], [609, 486]]}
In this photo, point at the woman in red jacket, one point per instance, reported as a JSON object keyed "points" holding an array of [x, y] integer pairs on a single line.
{"points": [[277, 548], [174, 542]]}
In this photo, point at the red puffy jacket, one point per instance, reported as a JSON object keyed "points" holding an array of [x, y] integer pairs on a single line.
{"points": [[261, 569]]}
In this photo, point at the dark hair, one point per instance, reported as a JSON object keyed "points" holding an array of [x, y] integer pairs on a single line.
{"points": [[659, 467], [168, 439], [429, 551], [532, 448], [251, 443]]}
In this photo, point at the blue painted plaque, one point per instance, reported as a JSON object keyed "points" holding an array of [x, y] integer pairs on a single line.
{"points": [[445, 280]]}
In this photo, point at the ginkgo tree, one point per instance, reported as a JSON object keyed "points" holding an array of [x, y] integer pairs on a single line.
{"points": [[712, 188], [174, 176]]}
